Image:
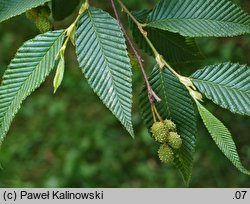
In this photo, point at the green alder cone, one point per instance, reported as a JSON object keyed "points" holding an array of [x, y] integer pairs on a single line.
{"points": [[31, 14], [44, 25], [166, 154], [174, 140], [40, 11], [40, 16], [159, 132], [170, 125]]}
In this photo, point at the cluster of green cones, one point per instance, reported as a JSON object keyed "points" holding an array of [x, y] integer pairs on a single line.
{"points": [[165, 133]]}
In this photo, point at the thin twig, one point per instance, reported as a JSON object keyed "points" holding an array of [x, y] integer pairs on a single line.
{"points": [[151, 94], [160, 60], [140, 27], [157, 114], [186, 81], [153, 112]]}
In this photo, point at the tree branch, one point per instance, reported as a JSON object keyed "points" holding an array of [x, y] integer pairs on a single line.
{"points": [[151, 94]]}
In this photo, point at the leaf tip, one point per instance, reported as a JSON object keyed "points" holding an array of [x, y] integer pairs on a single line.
{"points": [[131, 132]]}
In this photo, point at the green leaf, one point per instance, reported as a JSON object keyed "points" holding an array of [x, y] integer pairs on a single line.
{"points": [[29, 68], [59, 71], [222, 137], [200, 18], [178, 106], [227, 85], [63, 8], [10, 8], [174, 47], [102, 55]]}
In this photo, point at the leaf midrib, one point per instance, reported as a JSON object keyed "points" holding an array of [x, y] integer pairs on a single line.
{"points": [[27, 78], [192, 19], [164, 92], [211, 83], [107, 64], [181, 163], [229, 146]]}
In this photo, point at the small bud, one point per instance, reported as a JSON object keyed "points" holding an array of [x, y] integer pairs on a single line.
{"points": [[174, 140], [159, 132], [59, 72], [160, 61], [187, 82], [166, 154], [71, 33], [72, 36], [197, 95], [84, 7]]}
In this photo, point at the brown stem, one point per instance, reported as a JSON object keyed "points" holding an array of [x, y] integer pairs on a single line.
{"points": [[151, 94], [153, 113], [157, 114]]}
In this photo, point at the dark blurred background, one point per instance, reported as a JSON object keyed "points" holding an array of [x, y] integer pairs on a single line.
{"points": [[71, 140]]}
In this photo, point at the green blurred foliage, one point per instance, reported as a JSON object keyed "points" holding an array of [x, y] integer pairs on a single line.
{"points": [[71, 140]]}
